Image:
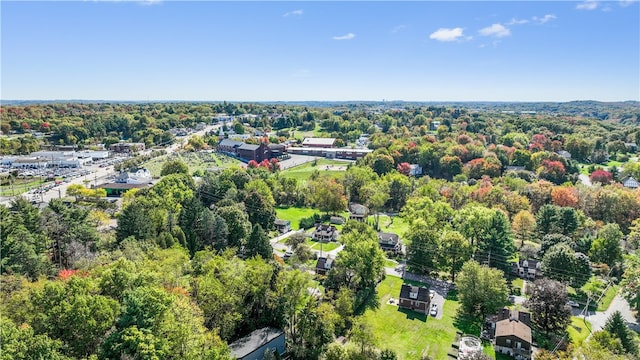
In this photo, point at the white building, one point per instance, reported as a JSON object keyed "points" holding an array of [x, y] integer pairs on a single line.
{"points": [[142, 176]]}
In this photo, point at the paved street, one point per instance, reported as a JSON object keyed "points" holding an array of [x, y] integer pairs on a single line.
{"points": [[599, 318]]}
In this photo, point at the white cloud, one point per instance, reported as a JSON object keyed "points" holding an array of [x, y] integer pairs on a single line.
{"points": [[444, 34], [544, 19], [497, 30], [625, 3], [587, 5], [348, 36], [293, 13], [515, 21]]}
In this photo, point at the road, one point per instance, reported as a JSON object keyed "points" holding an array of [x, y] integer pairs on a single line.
{"points": [[585, 179], [599, 318]]}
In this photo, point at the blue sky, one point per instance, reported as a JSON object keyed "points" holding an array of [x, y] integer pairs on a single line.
{"points": [[267, 51]]}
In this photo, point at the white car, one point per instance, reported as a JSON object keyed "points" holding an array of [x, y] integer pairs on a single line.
{"points": [[573, 303], [434, 310], [288, 254]]}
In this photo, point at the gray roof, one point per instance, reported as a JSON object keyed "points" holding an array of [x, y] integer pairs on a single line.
{"points": [[250, 147], [232, 143], [282, 222], [254, 341], [388, 238]]}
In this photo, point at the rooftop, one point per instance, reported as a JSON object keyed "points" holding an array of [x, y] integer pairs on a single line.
{"points": [[252, 342]]}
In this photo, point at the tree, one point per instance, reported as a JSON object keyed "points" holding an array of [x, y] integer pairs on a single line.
{"points": [[22, 343], [523, 225], [328, 195], [496, 244], [631, 282], [260, 210], [606, 247], [454, 251], [376, 195], [548, 306], [601, 176], [237, 222], [561, 263], [605, 340], [481, 290], [404, 168], [382, 164], [258, 244], [174, 167], [617, 327], [422, 249], [566, 196]]}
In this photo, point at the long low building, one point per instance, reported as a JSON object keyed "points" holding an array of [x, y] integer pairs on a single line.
{"points": [[330, 153]]}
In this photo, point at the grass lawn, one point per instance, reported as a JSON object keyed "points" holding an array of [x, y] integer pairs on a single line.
{"points": [[21, 186], [408, 333], [578, 330], [304, 171], [294, 214], [316, 245], [194, 160], [390, 263], [606, 300], [399, 225]]}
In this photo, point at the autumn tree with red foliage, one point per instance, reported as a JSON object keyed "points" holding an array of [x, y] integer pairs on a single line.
{"points": [[551, 170], [404, 168], [601, 176], [252, 164]]}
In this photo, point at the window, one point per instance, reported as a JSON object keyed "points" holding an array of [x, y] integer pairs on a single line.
{"points": [[508, 341]]}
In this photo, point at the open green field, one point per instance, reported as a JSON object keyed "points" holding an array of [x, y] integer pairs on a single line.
{"points": [[316, 245], [408, 333], [304, 171], [294, 214], [578, 330], [395, 224], [194, 160]]}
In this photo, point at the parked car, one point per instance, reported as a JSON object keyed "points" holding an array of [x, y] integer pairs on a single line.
{"points": [[434, 310], [573, 303], [432, 293], [288, 254]]}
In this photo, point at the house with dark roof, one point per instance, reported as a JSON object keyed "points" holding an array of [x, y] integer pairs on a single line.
{"points": [[512, 333], [414, 298], [527, 269], [282, 226], [564, 153], [358, 212], [323, 265], [256, 344], [389, 242], [325, 233]]}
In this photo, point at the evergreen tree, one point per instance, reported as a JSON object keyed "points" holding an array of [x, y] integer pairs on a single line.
{"points": [[617, 327], [258, 244]]}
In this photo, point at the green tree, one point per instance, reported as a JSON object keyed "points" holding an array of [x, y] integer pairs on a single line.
{"points": [[237, 222], [355, 178], [524, 225], [548, 306], [454, 251], [376, 195], [327, 195], [561, 263], [481, 290], [174, 167], [22, 343], [258, 244], [496, 244], [422, 249], [631, 282], [617, 327], [606, 247]]}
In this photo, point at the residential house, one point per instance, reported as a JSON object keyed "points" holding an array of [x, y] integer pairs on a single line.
{"points": [[256, 344], [512, 333], [389, 242], [630, 183], [323, 265], [414, 298], [358, 212], [415, 170], [141, 176], [336, 220], [117, 189], [325, 233], [282, 226], [433, 126], [527, 269], [631, 147], [319, 142], [565, 154]]}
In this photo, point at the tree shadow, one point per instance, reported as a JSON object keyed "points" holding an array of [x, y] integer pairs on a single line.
{"points": [[412, 315], [467, 324], [366, 299]]}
